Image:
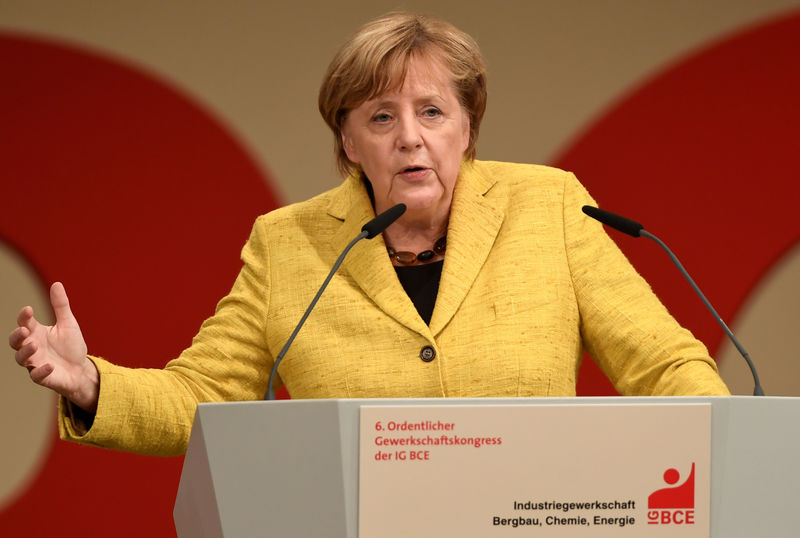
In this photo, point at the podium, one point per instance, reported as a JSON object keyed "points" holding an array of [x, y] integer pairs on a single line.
{"points": [[291, 468]]}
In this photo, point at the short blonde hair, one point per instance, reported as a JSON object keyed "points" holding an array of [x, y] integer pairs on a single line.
{"points": [[375, 60]]}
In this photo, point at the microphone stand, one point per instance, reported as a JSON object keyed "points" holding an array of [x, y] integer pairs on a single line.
{"points": [[634, 229]]}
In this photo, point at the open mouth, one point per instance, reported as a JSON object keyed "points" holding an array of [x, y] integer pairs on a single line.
{"points": [[413, 169]]}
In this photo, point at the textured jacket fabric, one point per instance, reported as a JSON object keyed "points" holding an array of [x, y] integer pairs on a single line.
{"points": [[528, 282]]}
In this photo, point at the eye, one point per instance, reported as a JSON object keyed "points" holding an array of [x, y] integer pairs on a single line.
{"points": [[431, 112], [381, 117]]}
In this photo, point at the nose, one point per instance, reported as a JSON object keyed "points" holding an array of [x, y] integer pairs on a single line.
{"points": [[409, 135]]}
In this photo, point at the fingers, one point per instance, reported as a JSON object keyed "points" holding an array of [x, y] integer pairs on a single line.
{"points": [[23, 357], [25, 352], [25, 318], [18, 336], [60, 302], [40, 373]]}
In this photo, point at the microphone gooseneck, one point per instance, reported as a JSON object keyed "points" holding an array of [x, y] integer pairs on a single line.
{"points": [[635, 229], [372, 228]]}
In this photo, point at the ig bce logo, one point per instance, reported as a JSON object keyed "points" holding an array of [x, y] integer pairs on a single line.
{"points": [[672, 505]]}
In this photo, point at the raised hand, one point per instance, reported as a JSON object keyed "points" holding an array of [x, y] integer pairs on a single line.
{"points": [[55, 356]]}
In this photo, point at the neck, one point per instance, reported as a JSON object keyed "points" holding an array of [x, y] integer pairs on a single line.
{"points": [[414, 235]]}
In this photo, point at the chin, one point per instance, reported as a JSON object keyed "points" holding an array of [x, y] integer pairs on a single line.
{"points": [[421, 204], [422, 201]]}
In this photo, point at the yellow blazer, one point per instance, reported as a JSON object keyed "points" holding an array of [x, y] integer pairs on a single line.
{"points": [[528, 281]]}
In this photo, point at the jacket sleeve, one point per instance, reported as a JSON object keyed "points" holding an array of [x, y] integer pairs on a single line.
{"points": [[625, 328], [150, 411]]}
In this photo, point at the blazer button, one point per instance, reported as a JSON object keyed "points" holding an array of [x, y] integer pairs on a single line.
{"points": [[427, 353]]}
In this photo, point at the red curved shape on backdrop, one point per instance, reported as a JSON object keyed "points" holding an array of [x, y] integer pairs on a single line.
{"points": [[704, 156], [139, 201]]}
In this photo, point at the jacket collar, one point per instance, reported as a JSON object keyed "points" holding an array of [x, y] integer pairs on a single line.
{"points": [[475, 220]]}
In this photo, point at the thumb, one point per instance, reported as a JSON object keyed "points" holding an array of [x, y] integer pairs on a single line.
{"points": [[60, 302]]}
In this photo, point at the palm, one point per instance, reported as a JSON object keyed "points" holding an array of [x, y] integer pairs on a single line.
{"points": [[62, 346], [55, 355]]}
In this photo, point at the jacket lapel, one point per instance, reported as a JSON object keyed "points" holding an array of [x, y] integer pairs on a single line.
{"points": [[475, 221], [368, 263]]}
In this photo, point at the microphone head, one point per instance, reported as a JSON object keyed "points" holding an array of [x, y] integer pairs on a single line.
{"points": [[382, 221], [621, 224]]}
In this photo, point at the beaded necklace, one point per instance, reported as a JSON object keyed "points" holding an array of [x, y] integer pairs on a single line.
{"points": [[409, 258]]}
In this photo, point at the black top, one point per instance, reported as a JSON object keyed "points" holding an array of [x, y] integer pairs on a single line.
{"points": [[421, 283]]}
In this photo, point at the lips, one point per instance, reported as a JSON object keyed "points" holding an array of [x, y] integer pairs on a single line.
{"points": [[414, 172]]}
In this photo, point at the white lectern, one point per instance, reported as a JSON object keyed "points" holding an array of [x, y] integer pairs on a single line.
{"points": [[290, 468]]}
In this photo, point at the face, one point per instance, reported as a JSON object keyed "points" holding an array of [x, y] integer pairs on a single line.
{"points": [[410, 142]]}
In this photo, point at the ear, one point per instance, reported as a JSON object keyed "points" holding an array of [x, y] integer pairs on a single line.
{"points": [[464, 131], [349, 147]]}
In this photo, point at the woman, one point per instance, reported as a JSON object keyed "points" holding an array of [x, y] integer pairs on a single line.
{"points": [[493, 284]]}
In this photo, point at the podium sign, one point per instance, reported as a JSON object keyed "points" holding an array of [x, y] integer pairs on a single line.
{"points": [[560, 470]]}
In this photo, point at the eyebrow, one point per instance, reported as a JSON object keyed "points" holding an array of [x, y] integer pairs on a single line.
{"points": [[429, 97]]}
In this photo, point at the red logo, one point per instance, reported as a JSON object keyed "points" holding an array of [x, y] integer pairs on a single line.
{"points": [[673, 505]]}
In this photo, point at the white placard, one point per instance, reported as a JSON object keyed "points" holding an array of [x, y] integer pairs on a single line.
{"points": [[535, 470]]}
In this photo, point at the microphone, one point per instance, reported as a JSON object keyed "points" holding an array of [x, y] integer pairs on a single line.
{"points": [[635, 229], [372, 228], [621, 224], [382, 221]]}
